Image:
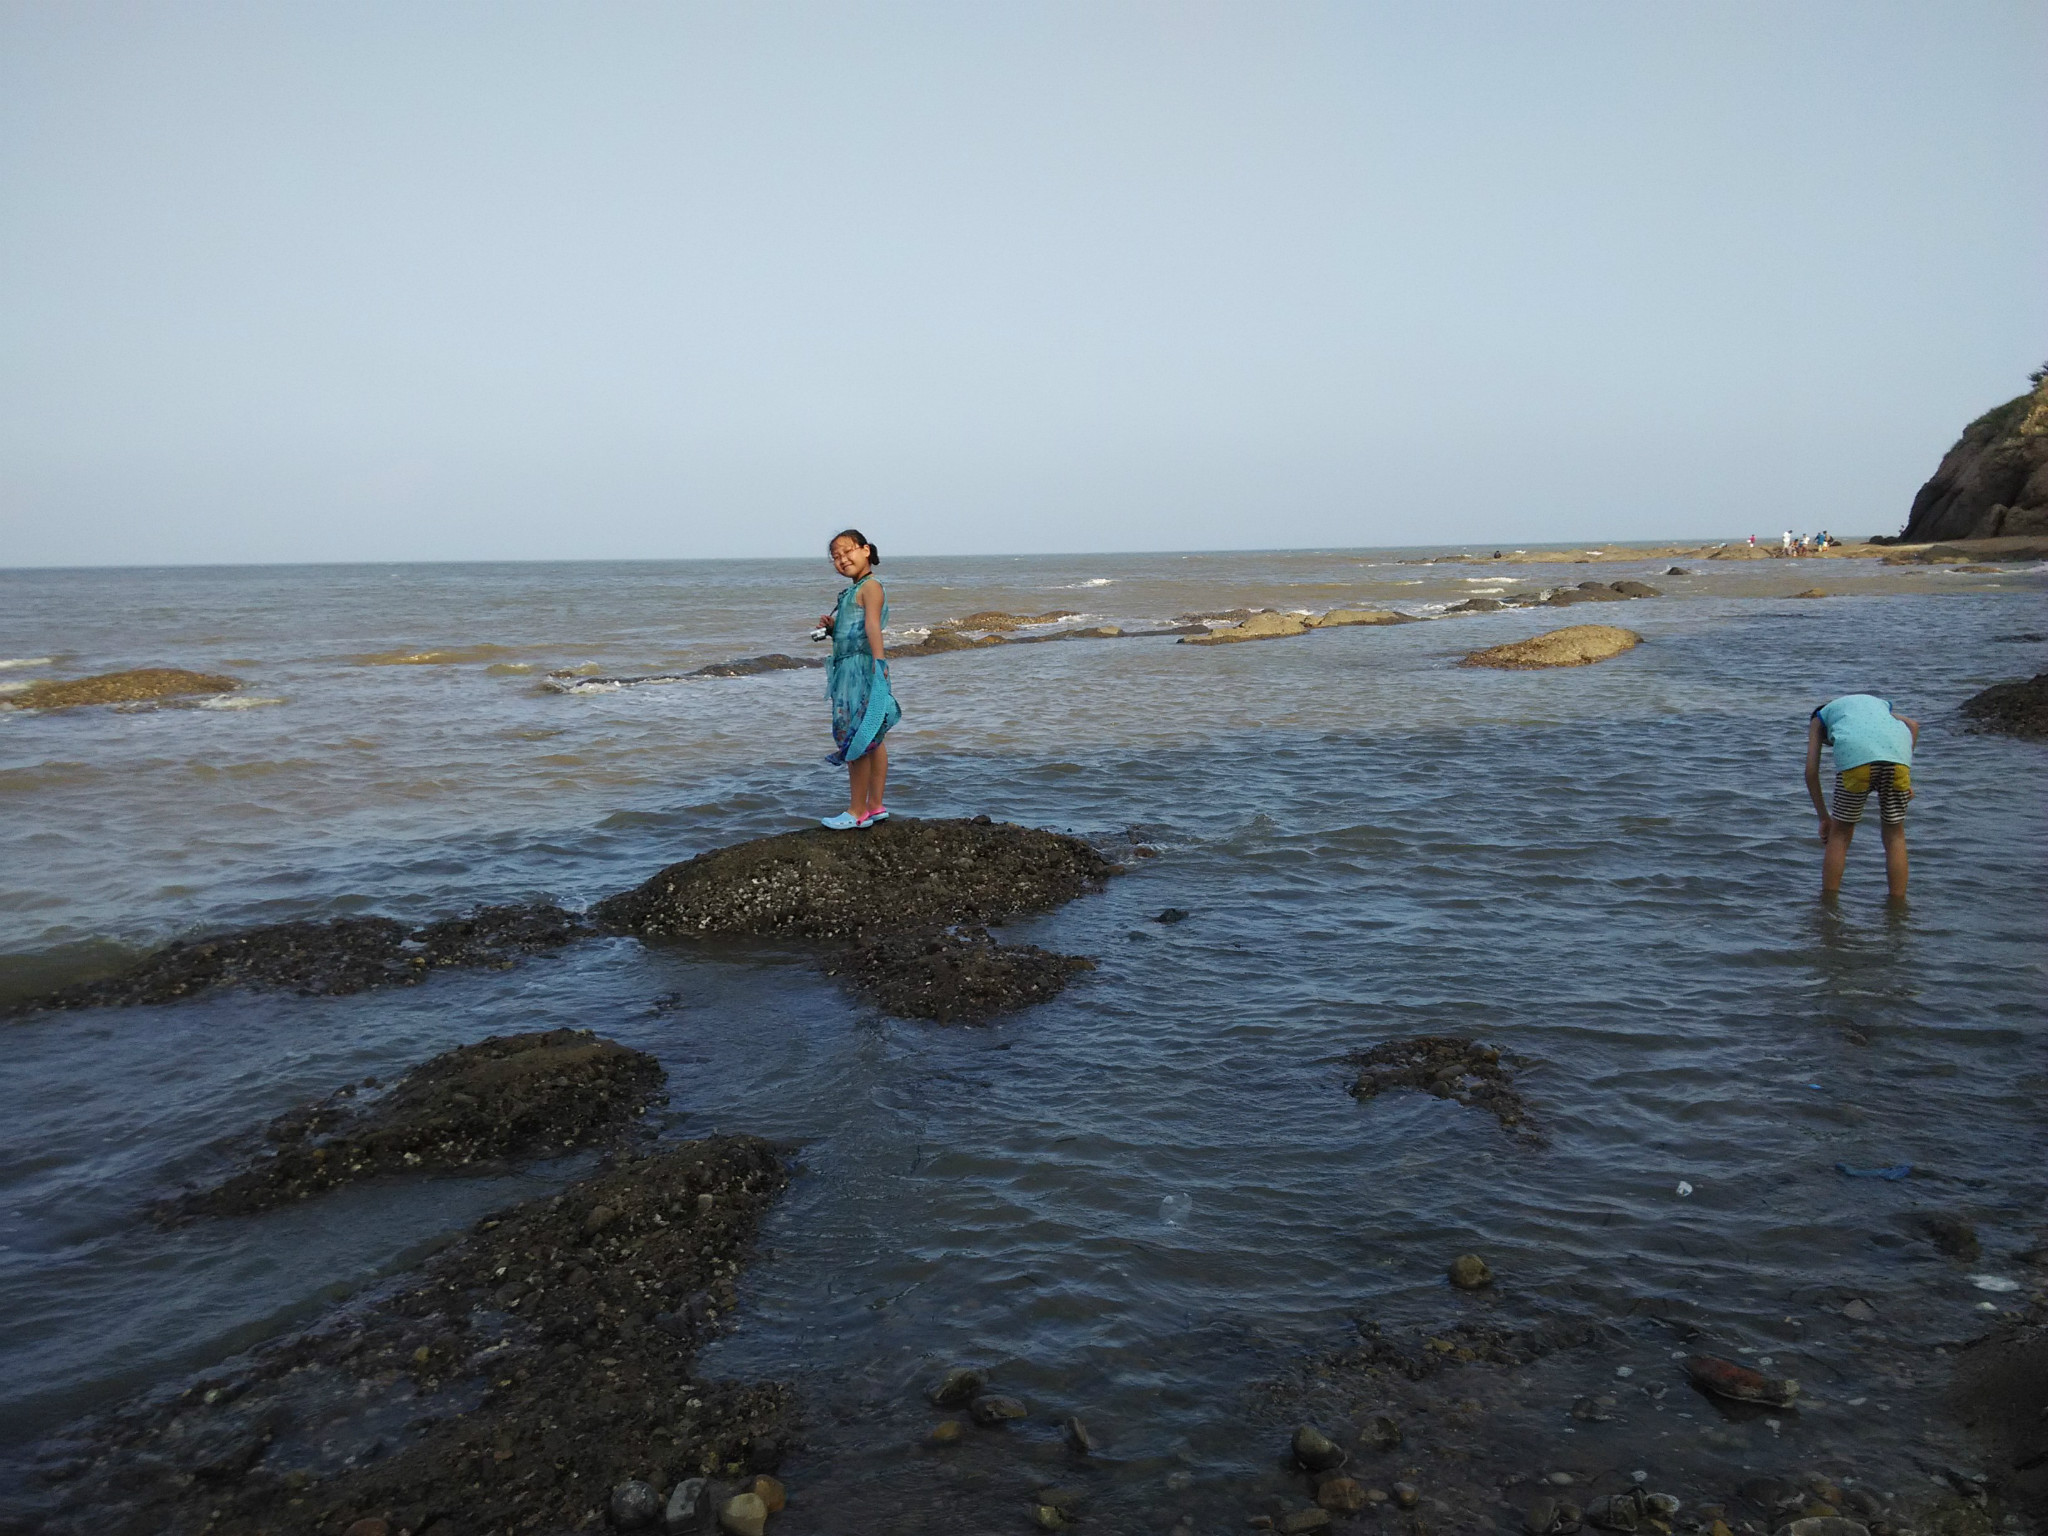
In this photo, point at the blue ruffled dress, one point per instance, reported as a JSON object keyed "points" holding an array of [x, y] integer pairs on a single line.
{"points": [[863, 708]]}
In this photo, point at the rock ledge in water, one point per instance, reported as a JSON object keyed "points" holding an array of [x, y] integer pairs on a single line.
{"points": [[119, 688], [508, 1096], [527, 1342], [330, 959], [1579, 646], [2012, 709], [960, 976], [901, 876]]}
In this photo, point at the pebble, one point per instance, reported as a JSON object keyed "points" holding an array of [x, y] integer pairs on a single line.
{"points": [[1078, 1439], [1375, 1495], [1824, 1525], [1406, 1495], [773, 1496], [1305, 1520], [743, 1515], [685, 1511], [993, 1408], [1469, 1272], [1315, 1450], [1859, 1311], [1046, 1518], [945, 1432], [1593, 1410], [957, 1388], [1341, 1494], [1560, 1479], [1541, 1516], [635, 1505], [369, 1527]]}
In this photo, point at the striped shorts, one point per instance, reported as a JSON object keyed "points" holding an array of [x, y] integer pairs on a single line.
{"points": [[1893, 783]]}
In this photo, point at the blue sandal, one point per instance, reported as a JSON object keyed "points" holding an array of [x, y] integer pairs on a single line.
{"points": [[879, 813], [845, 821]]}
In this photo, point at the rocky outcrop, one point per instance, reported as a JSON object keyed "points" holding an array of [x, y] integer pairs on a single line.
{"points": [[1578, 646], [1994, 482], [508, 1096], [138, 686], [909, 897], [2011, 709]]}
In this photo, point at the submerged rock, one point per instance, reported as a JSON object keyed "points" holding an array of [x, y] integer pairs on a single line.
{"points": [[2012, 709], [1316, 1451], [1578, 646], [136, 686], [958, 1387], [1469, 1272], [330, 959], [1342, 618], [1952, 1235], [1725, 1378], [957, 976], [900, 876], [509, 1096], [1259, 626], [529, 1328], [992, 621], [1448, 1066]]}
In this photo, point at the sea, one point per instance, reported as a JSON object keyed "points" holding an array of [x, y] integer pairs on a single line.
{"points": [[1150, 1202]]}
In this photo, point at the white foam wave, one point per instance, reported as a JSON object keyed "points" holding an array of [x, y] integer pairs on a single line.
{"points": [[26, 661], [236, 701], [1093, 581]]}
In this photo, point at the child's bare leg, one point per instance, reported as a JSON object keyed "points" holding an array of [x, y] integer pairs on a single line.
{"points": [[856, 786], [1831, 862], [878, 775], [1894, 833]]}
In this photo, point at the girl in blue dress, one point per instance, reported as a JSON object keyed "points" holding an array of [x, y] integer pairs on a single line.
{"points": [[857, 683]]}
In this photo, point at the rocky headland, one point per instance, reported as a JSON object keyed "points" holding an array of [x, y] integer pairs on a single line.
{"points": [[1994, 482]]}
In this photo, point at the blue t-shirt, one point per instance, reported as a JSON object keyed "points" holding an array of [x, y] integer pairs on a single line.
{"points": [[1862, 729]]}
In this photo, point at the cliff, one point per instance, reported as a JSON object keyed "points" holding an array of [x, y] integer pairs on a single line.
{"points": [[1994, 482]]}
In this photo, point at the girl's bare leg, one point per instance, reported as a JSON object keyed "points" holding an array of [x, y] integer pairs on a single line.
{"points": [[857, 786], [878, 778]]}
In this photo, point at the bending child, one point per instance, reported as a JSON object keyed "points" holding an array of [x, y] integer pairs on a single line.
{"points": [[1873, 751]]}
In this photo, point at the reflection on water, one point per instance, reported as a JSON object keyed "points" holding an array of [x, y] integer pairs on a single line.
{"points": [[1149, 1202]]}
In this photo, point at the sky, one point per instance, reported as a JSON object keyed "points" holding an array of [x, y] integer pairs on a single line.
{"points": [[478, 281]]}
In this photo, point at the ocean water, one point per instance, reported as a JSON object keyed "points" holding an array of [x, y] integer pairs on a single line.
{"points": [[1150, 1202]]}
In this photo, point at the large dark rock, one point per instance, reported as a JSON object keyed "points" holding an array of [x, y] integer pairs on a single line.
{"points": [[2012, 709], [900, 876], [1994, 482], [508, 1096]]}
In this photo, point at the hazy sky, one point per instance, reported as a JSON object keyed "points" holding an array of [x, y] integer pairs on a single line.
{"points": [[348, 280]]}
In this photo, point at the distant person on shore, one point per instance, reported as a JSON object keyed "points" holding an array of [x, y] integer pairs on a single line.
{"points": [[863, 708], [1786, 545], [1873, 753]]}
